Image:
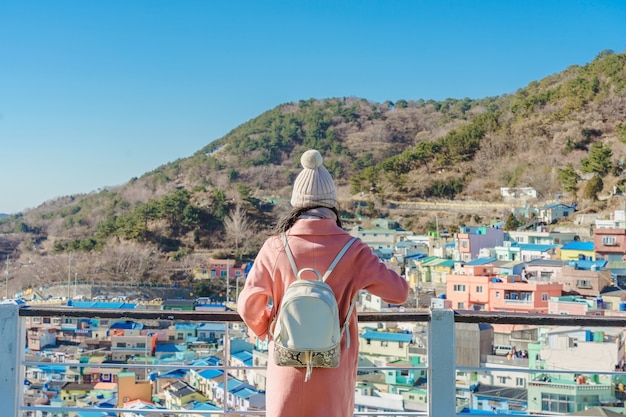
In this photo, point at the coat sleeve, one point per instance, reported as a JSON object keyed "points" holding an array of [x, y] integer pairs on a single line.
{"points": [[380, 280], [252, 304]]}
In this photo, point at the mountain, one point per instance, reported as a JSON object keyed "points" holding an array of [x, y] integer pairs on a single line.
{"points": [[563, 135]]}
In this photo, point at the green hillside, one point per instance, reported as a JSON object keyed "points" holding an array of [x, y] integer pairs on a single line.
{"points": [[562, 135]]}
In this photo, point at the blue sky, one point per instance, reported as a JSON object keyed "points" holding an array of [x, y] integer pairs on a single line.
{"points": [[93, 93]]}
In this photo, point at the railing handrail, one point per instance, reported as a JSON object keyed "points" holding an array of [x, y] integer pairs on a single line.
{"points": [[460, 316]]}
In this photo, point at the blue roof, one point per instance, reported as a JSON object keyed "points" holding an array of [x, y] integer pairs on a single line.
{"points": [[388, 336], [93, 414], [244, 356], [53, 368], [535, 247], [101, 304], [212, 326], [481, 261], [232, 384], [555, 205], [210, 373], [577, 245], [169, 348], [126, 325], [175, 374], [207, 361], [588, 265], [185, 326], [198, 406], [245, 392]]}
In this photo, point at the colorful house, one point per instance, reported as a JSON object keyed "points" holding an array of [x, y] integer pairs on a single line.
{"points": [[522, 296], [552, 213], [470, 240], [577, 250]]}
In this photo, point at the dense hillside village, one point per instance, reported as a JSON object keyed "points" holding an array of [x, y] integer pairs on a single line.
{"points": [[486, 268]]}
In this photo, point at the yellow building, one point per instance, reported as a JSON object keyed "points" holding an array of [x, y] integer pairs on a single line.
{"points": [[576, 250]]}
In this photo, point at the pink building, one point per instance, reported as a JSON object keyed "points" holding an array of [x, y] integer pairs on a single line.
{"points": [[585, 278], [479, 288], [469, 290], [610, 244], [525, 297], [575, 306]]}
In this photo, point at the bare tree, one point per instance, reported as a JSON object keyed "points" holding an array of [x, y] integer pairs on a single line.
{"points": [[238, 227]]}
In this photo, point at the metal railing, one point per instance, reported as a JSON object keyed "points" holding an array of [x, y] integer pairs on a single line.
{"points": [[441, 365]]}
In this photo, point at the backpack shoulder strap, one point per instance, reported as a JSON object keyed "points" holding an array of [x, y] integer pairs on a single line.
{"points": [[290, 255], [292, 261], [338, 258]]}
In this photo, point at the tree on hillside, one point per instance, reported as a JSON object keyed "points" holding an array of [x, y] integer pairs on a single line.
{"points": [[599, 160], [568, 177], [593, 188], [512, 222], [238, 227]]}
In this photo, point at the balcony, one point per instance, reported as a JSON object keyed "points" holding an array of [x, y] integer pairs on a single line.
{"points": [[443, 391]]}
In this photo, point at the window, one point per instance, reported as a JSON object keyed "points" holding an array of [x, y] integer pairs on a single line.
{"points": [[519, 382], [459, 287], [464, 243], [56, 320], [544, 296], [583, 283], [479, 288], [121, 344], [502, 379], [400, 345], [141, 345], [46, 320], [558, 403], [497, 294], [36, 320], [384, 343], [461, 306], [179, 336], [609, 241]]}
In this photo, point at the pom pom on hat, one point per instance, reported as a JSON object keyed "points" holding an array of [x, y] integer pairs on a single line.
{"points": [[311, 159], [314, 185]]}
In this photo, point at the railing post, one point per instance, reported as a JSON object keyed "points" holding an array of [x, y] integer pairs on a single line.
{"points": [[441, 363], [10, 342]]}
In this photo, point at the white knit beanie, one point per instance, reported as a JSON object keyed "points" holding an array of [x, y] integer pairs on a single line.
{"points": [[314, 186]]}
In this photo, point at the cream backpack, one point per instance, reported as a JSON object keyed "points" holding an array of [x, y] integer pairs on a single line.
{"points": [[306, 330]]}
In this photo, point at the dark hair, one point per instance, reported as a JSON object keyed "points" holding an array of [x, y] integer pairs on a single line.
{"points": [[288, 221]]}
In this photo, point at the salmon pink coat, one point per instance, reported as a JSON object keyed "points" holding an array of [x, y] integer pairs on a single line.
{"points": [[314, 243]]}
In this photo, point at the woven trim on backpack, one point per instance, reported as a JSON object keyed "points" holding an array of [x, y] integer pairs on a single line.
{"points": [[283, 356]]}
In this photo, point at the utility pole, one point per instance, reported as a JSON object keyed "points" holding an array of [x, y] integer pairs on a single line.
{"points": [[69, 275], [7, 278], [227, 281]]}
